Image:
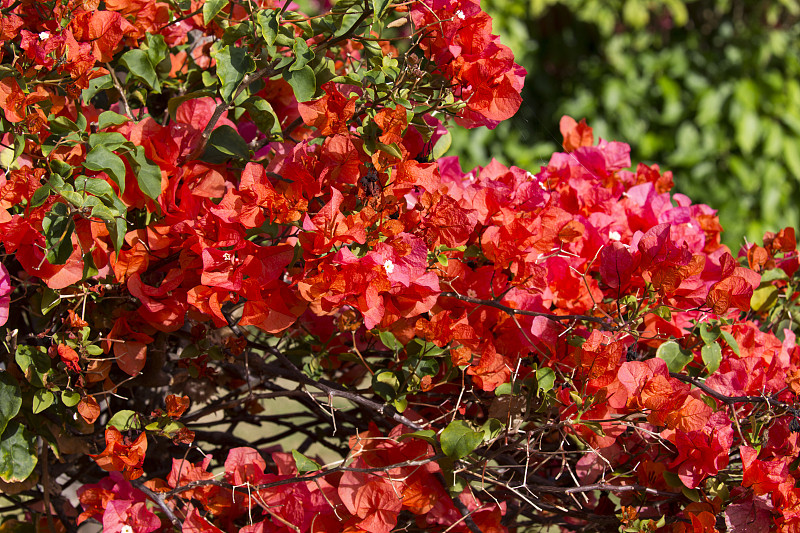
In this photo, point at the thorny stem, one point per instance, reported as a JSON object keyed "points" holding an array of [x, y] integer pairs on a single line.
{"points": [[511, 311], [730, 400], [300, 479]]}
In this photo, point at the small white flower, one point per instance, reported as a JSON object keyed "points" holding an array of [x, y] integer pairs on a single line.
{"points": [[388, 266], [227, 257], [460, 14], [614, 235], [126, 529], [690, 225], [472, 293], [44, 36]]}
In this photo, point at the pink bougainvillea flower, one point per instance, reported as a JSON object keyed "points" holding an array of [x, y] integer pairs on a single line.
{"points": [[5, 294]]}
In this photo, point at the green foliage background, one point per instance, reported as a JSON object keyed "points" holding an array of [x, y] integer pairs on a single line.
{"points": [[709, 89]]}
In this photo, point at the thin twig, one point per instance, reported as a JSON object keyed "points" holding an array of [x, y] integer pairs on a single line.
{"points": [[730, 400], [125, 105], [511, 311]]}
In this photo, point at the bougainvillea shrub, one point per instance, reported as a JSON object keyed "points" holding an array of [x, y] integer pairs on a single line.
{"points": [[231, 226]]}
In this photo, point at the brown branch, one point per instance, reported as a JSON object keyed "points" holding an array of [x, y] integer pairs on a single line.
{"points": [[330, 389], [511, 311], [603, 487], [211, 408], [298, 479], [222, 107], [46, 485], [159, 500], [126, 107], [730, 400], [460, 507]]}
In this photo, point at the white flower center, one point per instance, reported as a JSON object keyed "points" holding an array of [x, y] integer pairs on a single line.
{"points": [[614, 235], [388, 266], [44, 36], [126, 529], [472, 293], [460, 14]]}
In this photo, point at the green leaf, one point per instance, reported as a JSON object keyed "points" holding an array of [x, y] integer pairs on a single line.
{"points": [[61, 125], [148, 174], [664, 312], [101, 158], [391, 149], [10, 399], [57, 227], [19, 147], [34, 362], [233, 64], [102, 212], [94, 349], [492, 428], [712, 356], [304, 464], [17, 453], [672, 354], [139, 64], [109, 118], [40, 196], [400, 403], [117, 230], [389, 340], [441, 146], [302, 54], [172, 427], [70, 398], [349, 21], [764, 298], [379, 7], [263, 116], [731, 341], [504, 389], [95, 186], [545, 378], [156, 49], [61, 168], [303, 83], [385, 384], [692, 494], [428, 435], [96, 85], [42, 399], [423, 348], [268, 22], [110, 140], [223, 144], [708, 333], [124, 420], [459, 440], [50, 299], [74, 198]]}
